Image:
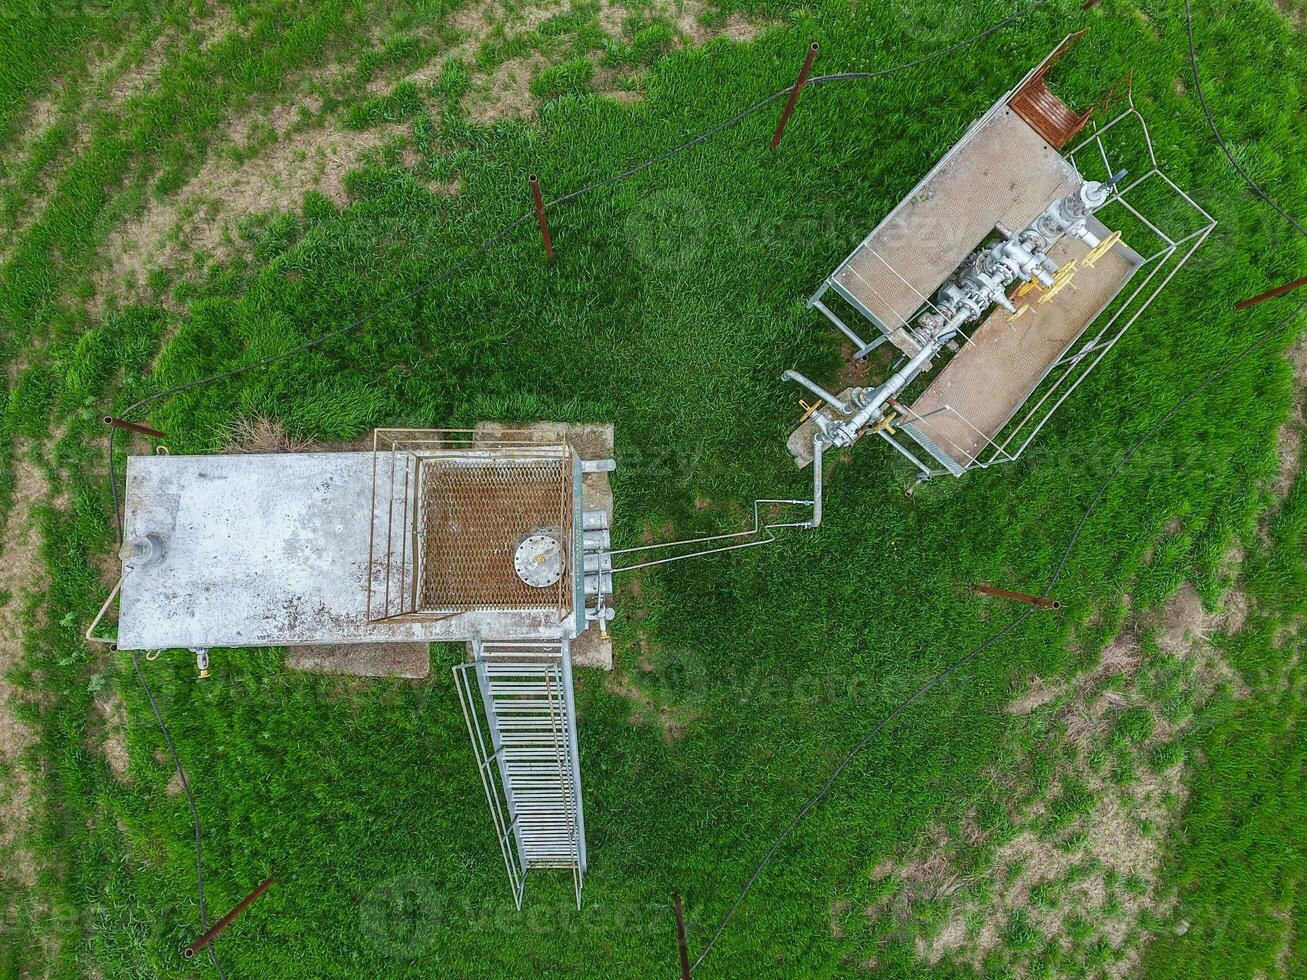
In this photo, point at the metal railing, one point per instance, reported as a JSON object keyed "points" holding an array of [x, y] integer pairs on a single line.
{"points": [[522, 722], [447, 504]]}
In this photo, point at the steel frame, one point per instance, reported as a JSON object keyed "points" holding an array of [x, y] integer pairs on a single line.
{"points": [[1016, 434], [511, 761]]}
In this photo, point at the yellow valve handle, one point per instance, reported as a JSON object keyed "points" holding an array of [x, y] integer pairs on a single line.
{"points": [[1060, 281], [886, 424], [1021, 311], [808, 410], [1030, 285], [1101, 249]]}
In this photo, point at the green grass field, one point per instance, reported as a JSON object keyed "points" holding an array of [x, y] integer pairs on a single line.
{"points": [[134, 260]]}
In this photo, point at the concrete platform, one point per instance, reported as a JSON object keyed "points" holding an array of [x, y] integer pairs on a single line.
{"points": [[267, 550], [272, 550]]}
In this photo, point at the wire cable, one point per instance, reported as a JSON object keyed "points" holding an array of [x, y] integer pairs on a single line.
{"points": [[952, 667], [1220, 140], [195, 814]]}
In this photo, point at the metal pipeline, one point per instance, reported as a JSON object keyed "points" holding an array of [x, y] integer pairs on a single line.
{"points": [[818, 447], [792, 375], [849, 430]]}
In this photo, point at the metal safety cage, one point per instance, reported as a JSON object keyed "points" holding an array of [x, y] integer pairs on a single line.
{"points": [[450, 506], [1159, 247]]}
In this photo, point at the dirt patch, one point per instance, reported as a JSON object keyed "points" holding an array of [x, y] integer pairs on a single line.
{"points": [[199, 217], [108, 733], [737, 27], [1187, 628], [1079, 860], [1041, 692], [1294, 11], [1288, 442], [506, 93], [411, 661], [645, 710], [853, 373], [21, 574]]}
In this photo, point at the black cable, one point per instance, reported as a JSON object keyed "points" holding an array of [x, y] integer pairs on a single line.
{"points": [[448, 274], [1220, 140], [195, 814], [1075, 536]]}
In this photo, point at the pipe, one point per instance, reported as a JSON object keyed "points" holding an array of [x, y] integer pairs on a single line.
{"points": [[818, 447], [1034, 600], [534, 181], [216, 929], [1271, 293], [818, 390], [681, 947], [144, 430], [892, 387], [794, 95]]}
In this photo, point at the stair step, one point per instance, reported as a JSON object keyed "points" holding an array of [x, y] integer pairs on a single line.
{"points": [[928, 444]]}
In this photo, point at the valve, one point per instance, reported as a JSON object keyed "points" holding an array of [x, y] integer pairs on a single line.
{"points": [[1100, 250], [1060, 281]]}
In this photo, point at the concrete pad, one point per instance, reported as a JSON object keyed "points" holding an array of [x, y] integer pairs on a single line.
{"points": [[800, 441], [269, 550], [411, 661], [593, 649]]}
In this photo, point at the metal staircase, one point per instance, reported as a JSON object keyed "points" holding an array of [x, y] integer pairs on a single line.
{"points": [[517, 702], [928, 444]]}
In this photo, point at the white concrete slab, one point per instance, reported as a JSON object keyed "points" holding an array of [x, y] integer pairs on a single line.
{"points": [[266, 550]]}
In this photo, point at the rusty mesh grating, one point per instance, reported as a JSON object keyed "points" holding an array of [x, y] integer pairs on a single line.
{"points": [[1048, 115], [473, 516], [449, 508]]}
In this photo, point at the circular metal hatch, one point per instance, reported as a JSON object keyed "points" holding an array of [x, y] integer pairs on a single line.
{"points": [[539, 560]]}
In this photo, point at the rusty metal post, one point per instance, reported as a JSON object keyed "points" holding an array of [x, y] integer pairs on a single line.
{"points": [[216, 929], [794, 94], [1288, 287], [1034, 600], [144, 430], [540, 216], [680, 937]]}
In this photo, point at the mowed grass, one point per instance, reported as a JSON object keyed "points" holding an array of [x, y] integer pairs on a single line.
{"points": [[675, 302]]}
